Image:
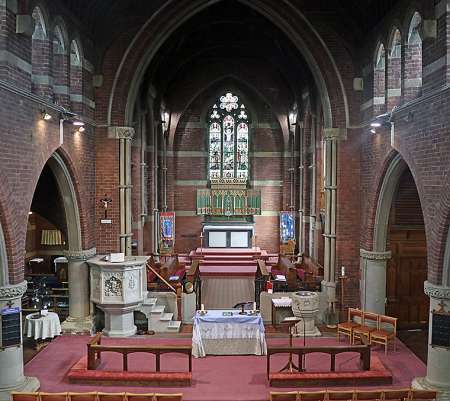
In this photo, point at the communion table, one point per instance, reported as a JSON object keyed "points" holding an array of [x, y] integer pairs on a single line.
{"points": [[226, 332]]}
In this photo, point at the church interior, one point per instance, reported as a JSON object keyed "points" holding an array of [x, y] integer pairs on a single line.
{"points": [[224, 200]]}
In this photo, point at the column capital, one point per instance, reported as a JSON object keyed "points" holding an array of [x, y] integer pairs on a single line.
{"points": [[335, 134], [436, 291], [73, 255], [13, 291], [123, 132], [374, 255]]}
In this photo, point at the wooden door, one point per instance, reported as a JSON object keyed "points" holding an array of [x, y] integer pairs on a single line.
{"points": [[406, 273]]}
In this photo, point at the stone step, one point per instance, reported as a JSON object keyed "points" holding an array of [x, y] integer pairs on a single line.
{"points": [[158, 309], [149, 301], [174, 325], [166, 316]]}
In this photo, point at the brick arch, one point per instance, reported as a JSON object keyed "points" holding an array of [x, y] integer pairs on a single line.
{"points": [[440, 231], [185, 102], [9, 227], [144, 45]]}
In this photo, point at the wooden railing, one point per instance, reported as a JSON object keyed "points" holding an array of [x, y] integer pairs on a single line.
{"points": [[95, 348], [261, 277], [363, 350], [193, 276]]}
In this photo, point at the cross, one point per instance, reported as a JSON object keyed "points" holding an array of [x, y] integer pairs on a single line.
{"points": [[106, 201]]}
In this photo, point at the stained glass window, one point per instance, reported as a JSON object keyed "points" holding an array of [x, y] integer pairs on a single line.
{"points": [[228, 138]]}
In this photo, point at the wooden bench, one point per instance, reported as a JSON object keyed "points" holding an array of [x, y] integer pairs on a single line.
{"points": [[94, 396], [372, 370], [355, 395], [85, 370], [170, 268]]}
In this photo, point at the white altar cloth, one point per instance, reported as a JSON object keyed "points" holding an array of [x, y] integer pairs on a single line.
{"points": [[217, 334], [44, 327]]}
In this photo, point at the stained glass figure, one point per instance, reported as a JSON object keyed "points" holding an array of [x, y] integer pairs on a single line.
{"points": [[228, 139]]}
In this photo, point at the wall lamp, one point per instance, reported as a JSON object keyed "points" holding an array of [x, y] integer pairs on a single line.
{"points": [[383, 120], [45, 115]]}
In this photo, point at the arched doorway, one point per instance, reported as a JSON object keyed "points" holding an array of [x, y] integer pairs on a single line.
{"points": [[53, 231], [399, 229], [407, 268]]}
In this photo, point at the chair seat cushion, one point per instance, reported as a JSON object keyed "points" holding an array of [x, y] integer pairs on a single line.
{"points": [[382, 334], [348, 325], [364, 329]]}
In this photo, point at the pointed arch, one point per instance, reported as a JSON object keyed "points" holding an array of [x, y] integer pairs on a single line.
{"points": [[60, 68], [394, 79], [413, 59], [379, 79], [40, 54]]}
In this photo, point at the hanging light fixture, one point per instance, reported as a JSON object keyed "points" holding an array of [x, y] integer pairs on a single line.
{"points": [[45, 116]]}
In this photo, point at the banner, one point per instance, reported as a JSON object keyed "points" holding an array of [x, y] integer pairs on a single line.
{"points": [[287, 226], [166, 232]]}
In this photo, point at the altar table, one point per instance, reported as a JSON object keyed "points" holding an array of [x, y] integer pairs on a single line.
{"points": [[44, 327], [216, 334]]}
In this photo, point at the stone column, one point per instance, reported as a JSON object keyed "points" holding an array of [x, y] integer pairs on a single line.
{"points": [[301, 246], [80, 318], [438, 364], [11, 358], [373, 280], [332, 136], [125, 136]]}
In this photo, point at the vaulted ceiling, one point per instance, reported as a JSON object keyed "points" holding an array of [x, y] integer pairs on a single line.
{"points": [[104, 18]]}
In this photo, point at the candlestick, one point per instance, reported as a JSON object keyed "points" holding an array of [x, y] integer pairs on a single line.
{"points": [[254, 306], [343, 271], [203, 307]]}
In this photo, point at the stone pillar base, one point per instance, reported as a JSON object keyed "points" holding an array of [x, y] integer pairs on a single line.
{"points": [[78, 325], [329, 289], [309, 332], [421, 383], [29, 384]]}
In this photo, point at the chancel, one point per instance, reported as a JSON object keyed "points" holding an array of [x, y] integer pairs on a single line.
{"points": [[224, 200]]}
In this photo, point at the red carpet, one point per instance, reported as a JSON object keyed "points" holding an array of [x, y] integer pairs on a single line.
{"points": [[215, 378]]}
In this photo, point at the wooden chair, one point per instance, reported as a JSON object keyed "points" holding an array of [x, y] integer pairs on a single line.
{"points": [[111, 397], [347, 395], [168, 397], [346, 328], [284, 396], [313, 396], [53, 396], [83, 396], [423, 395], [365, 329], [368, 395], [397, 395], [140, 397], [387, 330], [22, 396]]}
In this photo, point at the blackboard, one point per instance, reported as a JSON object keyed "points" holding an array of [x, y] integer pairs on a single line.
{"points": [[440, 330], [10, 323]]}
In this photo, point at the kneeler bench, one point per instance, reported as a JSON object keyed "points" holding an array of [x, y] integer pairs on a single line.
{"points": [[373, 371], [85, 370]]}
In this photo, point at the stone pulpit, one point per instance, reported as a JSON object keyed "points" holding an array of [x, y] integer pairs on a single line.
{"points": [[118, 289]]}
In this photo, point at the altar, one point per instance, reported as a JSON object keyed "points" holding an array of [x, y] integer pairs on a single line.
{"points": [[226, 332], [228, 236]]}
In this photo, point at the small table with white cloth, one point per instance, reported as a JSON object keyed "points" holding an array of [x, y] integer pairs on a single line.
{"points": [[43, 327], [218, 332]]}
